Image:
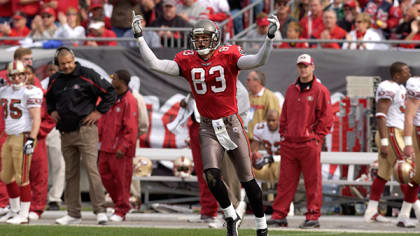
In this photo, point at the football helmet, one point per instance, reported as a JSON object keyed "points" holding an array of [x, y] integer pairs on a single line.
{"points": [[142, 166], [206, 27], [183, 167], [373, 170], [404, 171], [16, 67], [268, 173]]}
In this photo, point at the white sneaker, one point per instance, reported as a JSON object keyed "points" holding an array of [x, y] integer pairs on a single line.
{"points": [[381, 219], [216, 224], [369, 214], [33, 216], [68, 220], [9, 215], [405, 223], [17, 220], [116, 218], [4, 210], [101, 218]]}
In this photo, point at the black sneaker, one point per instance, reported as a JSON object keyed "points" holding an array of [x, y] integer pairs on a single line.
{"points": [[53, 206], [309, 224], [262, 232], [278, 222], [232, 225]]}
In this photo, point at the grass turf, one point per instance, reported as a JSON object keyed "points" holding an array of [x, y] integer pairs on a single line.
{"points": [[31, 230]]}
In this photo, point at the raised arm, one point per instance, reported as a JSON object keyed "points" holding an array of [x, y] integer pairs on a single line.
{"points": [[252, 61], [168, 67]]}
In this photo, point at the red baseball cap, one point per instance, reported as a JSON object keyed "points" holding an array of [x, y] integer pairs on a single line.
{"points": [[305, 59], [96, 4], [350, 3], [49, 11], [263, 21], [19, 15]]}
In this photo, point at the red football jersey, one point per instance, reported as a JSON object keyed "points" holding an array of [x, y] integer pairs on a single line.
{"points": [[213, 82]]}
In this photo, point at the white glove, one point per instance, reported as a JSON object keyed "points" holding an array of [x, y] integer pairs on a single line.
{"points": [[136, 25], [274, 26], [28, 147]]}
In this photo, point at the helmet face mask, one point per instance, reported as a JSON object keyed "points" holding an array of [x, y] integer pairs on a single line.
{"points": [[205, 37], [183, 167]]}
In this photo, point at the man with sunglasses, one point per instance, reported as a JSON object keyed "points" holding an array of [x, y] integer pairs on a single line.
{"points": [[43, 25], [22, 114]]}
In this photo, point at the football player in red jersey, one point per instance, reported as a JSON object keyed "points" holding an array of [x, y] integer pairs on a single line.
{"points": [[212, 70]]}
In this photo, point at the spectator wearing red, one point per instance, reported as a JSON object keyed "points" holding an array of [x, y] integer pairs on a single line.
{"points": [[118, 145], [61, 5], [43, 25], [330, 30], [120, 20], [379, 11], [414, 35], [409, 14], [5, 11], [283, 14], [294, 31], [19, 28], [96, 10], [30, 8], [313, 21], [97, 29]]}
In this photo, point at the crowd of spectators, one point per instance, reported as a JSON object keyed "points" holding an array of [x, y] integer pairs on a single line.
{"points": [[318, 19]]}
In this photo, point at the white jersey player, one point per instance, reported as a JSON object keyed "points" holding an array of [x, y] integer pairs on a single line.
{"points": [[396, 93], [22, 115], [267, 134]]}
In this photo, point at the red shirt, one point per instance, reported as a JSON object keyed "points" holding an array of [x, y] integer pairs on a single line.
{"points": [[212, 82], [118, 127], [307, 114], [336, 33], [107, 34], [6, 10], [416, 37], [64, 4], [17, 33], [30, 9], [315, 22], [292, 45]]}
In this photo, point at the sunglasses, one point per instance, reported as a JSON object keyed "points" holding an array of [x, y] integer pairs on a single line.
{"points": [[46, 16], [358, 22], [72, 14]]}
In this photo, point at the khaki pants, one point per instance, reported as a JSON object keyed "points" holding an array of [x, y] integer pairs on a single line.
{"points": [[395, 152], [82, 145], [416, 145], [15, 165]]}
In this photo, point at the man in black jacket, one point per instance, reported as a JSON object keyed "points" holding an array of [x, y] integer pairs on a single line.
{"points": [[71, 101]]}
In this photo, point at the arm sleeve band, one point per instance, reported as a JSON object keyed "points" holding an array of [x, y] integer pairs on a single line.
{"points": [[247, 62], [168, 67]]}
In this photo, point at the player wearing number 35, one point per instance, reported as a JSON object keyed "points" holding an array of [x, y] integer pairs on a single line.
{"points": [[22, 118], [212, 70]]}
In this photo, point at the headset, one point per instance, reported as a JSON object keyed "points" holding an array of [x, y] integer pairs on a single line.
{"points": [[58, 52]]}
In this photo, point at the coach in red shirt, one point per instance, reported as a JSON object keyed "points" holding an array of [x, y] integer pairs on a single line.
{"points": [[306, 118], [117, 135]]}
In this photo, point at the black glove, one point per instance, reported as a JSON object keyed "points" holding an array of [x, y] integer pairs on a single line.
{"points": [[28, 147], [274, 26]]}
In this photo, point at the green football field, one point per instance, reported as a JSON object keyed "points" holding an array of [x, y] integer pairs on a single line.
{"points": [[6, 230]]}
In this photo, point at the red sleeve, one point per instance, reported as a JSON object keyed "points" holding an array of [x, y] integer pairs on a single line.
{"points": [[47, 123], [303, 22], [130, 126], [111, 34], [324, 115], [395, 15], [180, 59]]}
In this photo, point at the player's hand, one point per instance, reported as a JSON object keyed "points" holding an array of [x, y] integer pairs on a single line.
{"points": [[55, 116], [383, 151], [136, 25], [28, 147], [408, 151], [92, 118], [274, 26]]}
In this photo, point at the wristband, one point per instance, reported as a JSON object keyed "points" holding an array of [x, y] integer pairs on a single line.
{"points": [[408, 141], [384, 142], [380, 114]]}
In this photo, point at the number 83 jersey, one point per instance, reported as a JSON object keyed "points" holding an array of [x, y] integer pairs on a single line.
{"points": [[212, 81], [15, 105]]}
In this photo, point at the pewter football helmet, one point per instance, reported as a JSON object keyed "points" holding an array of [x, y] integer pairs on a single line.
{"points": [[206, 27]]}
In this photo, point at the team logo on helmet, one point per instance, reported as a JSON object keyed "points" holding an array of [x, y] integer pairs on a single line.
{"points": [[404, 171]]}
